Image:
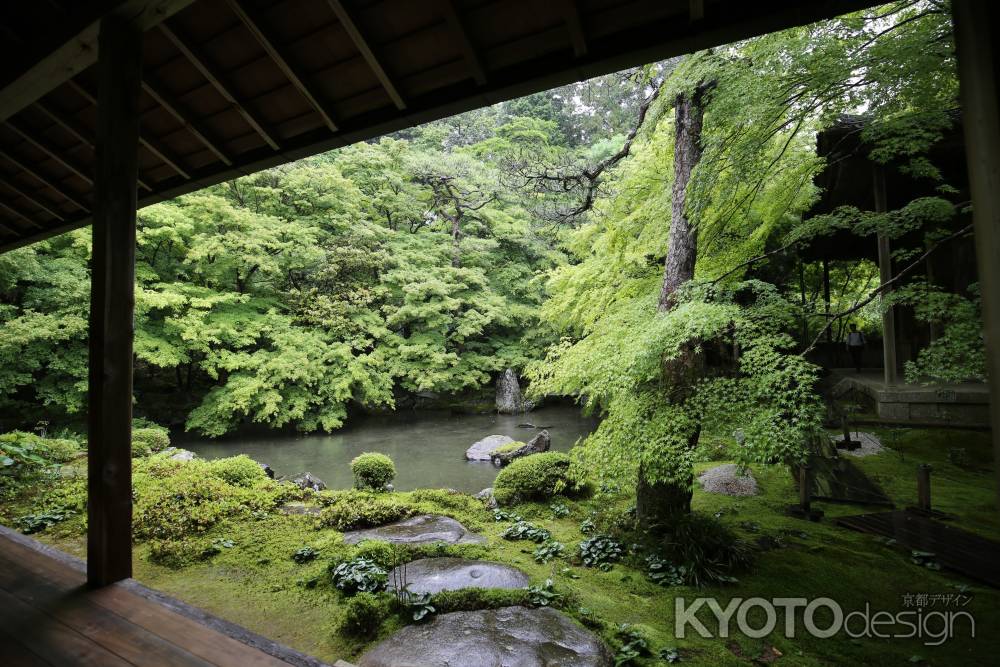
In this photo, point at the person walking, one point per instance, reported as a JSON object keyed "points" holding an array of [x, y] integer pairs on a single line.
{"points": [[856, 346]]}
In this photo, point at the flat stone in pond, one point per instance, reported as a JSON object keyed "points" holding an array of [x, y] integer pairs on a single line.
{"points": [[422, 529], [482, 449], [433, 575], [506, 637]]}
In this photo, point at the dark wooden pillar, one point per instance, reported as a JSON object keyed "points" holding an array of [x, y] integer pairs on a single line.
{"points": [[112, 301], [977, 25], [885, 275]]}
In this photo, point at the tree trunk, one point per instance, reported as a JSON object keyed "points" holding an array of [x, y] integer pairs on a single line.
{"points": [[659, 503], [683, 243]]}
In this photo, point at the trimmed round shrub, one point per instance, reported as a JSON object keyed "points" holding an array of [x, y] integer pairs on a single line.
{"points": [[238, 470], [372, 471], [365, 614], [146, 441], [534, 477]]}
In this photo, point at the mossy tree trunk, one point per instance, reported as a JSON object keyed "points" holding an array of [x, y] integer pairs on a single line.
{"points": [[661, 503]]}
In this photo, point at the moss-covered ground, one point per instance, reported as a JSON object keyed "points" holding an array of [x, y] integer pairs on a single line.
{"points": [[256, 583]]}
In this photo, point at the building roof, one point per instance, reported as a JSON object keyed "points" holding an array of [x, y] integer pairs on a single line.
{"points": [[234, 86]]}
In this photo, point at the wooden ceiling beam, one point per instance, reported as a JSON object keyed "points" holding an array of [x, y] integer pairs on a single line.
{"points": [[44, 181], [52, 151], [457, 28], [156, 149], [45, 207], [77, 54], [248, 16], [20, 216], [350, 26], [174, 108], [9, 231], [73, 127], [214, 77], [574, 23]]}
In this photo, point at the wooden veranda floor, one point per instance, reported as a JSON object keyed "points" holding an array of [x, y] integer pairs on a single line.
{"points": [[49, 617]]}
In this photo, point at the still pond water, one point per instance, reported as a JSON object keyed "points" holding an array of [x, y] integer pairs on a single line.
{"points": [[428, 448]]}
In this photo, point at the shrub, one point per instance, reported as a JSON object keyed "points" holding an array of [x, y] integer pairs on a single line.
{"points": [[305, 554], [353, 510], [365, 614], [238, 470], [372, 471], [704, 551], [146, 441], [547, 551], [600, 551], [25, 456], [359, 575], [187, 499], [33, 523], [534, 477], [523, 530]]}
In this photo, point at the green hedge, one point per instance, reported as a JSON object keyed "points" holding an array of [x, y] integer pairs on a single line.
{"points": [[372, 471], [534, 477]]}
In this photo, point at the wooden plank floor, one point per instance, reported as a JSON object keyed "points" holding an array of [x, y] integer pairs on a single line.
{"points": [[953, 548], [49, 617]]}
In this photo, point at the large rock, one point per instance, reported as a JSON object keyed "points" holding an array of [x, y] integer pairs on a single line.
{"points": [[540, 443], [487, 498], [422, 529], [268, 470], [482, 450], [728, 480], [506, 637], [508, 393], [180, 454], [307, 480], [433, 575]]}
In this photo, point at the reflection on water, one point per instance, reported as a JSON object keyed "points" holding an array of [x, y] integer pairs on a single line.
{"points": [[427, 447]]}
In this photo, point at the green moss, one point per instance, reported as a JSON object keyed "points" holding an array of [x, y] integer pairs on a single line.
{"points": [[257, 584], [470, 599], [509, 447], [353, 510]]}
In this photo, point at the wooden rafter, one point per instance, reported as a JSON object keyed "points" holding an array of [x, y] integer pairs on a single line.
{"points": [[254, 24], [52, 151], [214, 77], [72, 126], [575, 26], [9, 231], [44, 181], [19, 215], [157, 150], [174, 108], [696, 10], [45, 207], [357, 36], [78, 54], [457, 28]]}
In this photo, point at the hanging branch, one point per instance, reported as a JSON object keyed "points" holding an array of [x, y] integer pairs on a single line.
{"points": [[584, 183]]}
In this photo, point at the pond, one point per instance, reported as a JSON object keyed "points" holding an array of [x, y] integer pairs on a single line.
{"points": [[428, 448]]}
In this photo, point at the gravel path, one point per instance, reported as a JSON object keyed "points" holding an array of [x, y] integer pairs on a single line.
{"points": [[870, 445], [727, 480]]}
